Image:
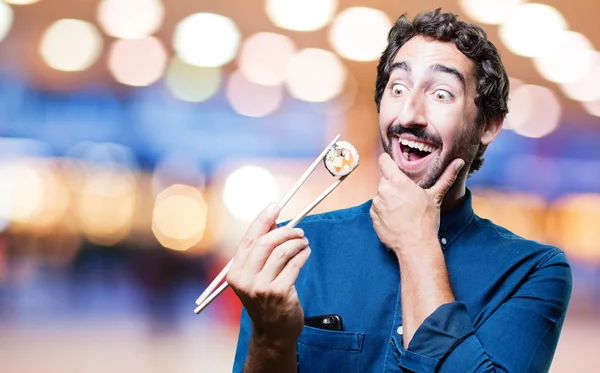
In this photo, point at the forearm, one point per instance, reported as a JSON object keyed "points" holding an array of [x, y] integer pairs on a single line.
{"points": [[425, 286], [266, 356]]}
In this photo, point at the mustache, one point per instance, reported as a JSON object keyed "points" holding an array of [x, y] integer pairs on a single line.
{"points": [[418, 132]]}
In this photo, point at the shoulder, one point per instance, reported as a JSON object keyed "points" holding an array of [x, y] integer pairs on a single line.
{"points": [[503, 239]]}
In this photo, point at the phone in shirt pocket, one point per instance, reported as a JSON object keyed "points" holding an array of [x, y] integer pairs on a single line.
{"points": [[324, 346]]}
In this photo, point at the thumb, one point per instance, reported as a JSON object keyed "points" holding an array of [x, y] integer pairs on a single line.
{"points": [[446, 181]]}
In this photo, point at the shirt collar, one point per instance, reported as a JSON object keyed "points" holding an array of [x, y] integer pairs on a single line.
{"points": [[455, 221]]}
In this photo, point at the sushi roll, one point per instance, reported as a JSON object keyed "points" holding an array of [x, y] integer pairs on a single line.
{"points": [[341, 159]]}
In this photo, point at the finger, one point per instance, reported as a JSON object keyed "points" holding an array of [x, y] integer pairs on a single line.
{"points": [[388, 166], [279, 258], [445, 182], [264, 246], [289, 274], [264, 223]]}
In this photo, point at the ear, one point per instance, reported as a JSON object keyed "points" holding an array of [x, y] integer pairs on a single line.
{"points": [[491, 129]]}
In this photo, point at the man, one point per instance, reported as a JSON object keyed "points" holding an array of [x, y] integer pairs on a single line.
{"points": [[420, 282]]}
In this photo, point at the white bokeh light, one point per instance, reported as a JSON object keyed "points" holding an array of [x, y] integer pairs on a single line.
{"points": [[360, 33], [489, 11], [587, 88], [248, 190], [315, 75], [206, 40], [130, 19], [21, 2], [192, 83], [533, 29], [573, 59], [535, 111], [6, 19], [301, 15], [252, 99], [137, 62], [592, 107], [265, 57], [71, 45]]}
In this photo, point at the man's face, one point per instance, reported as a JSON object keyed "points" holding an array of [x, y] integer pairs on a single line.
{"points": [[427, 112]]}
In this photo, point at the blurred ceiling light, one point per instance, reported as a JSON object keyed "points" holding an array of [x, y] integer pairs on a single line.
{"points": [[587, 88], [251, 99], [535, 111], [315, 75], [137, 62], [26, 189], [206, 40], [106, 205], [265, 57], [592, 107], [360, 34], [489, 11], [248, 190], [71, 45], [21, 2], [130, 19], [533, 29], [6, 19], [573, 59], [179, 217], [191, 83], [301, 15]]}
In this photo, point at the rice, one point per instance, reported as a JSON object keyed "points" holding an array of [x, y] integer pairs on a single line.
{"points": [[341, 159]]}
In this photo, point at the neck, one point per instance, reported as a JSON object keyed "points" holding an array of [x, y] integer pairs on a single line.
{"points": [[455, 195]]}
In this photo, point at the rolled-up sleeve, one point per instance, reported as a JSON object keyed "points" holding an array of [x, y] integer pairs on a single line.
{"points": [[520, 336]]}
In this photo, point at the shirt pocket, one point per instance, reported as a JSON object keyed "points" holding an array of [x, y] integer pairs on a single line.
{"points": [[329, 351]]}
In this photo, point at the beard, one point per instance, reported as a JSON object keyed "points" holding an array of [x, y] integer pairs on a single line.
{"points": [[464, 145]]}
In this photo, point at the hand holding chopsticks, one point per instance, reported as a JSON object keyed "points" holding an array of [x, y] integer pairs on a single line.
{"points": [[336, 162]]}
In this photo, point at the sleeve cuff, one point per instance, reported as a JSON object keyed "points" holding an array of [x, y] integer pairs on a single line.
{"points": [[436, 337]]}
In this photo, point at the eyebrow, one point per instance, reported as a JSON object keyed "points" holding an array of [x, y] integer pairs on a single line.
{"points": [[403, 65]]}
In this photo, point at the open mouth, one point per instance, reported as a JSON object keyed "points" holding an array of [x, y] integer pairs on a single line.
{"points": [[415, 150]]}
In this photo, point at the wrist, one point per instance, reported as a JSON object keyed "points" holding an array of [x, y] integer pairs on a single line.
{"points": [[419, 250], [272, 344]]}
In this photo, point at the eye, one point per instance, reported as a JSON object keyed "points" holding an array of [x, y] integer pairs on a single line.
{"points": [[398, 89], [442, 95]]}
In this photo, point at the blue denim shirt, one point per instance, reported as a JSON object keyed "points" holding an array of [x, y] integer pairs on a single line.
{"points": [[511, 298]]}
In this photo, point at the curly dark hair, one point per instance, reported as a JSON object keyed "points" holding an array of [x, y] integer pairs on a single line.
{"points": [[492, 81]]}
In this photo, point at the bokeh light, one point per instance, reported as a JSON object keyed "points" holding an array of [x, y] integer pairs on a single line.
{"points": [[360, 33], [206, 39], [192, 83], [248, 190], [535, 111], [489, 11], [572, 60], [533, 29], [130, 19], [514, 85], [252, 99], [20, 2], [106, 205], [265, 57], [587, 88], [71, 45], [301, 15], [6, 19], [179, 217], [315, 75], [137, 62], [592, 107]]}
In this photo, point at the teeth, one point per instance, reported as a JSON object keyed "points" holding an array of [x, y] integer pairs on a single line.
{"points": [[417, 145]]}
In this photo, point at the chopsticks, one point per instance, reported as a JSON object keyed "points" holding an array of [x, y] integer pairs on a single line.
{"points": [[210, 294]]}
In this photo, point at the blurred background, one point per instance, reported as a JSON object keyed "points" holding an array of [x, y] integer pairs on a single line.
{"points": [[139, 137]]}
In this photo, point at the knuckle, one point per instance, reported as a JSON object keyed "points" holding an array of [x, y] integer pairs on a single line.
{"points": [[246, 241]]}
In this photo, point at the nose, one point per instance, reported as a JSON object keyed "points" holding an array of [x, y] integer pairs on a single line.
{"points": [[412, 111]]}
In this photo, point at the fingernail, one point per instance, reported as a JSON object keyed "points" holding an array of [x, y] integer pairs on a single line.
{"points": [[459, 165], [299, 231], [272, 207]]}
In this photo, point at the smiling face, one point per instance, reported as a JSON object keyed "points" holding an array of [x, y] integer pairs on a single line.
{"points": [[427, 113]]}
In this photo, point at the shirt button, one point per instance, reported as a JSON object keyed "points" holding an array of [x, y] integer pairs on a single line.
{"points": [[400, 330], [443, 240]]}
